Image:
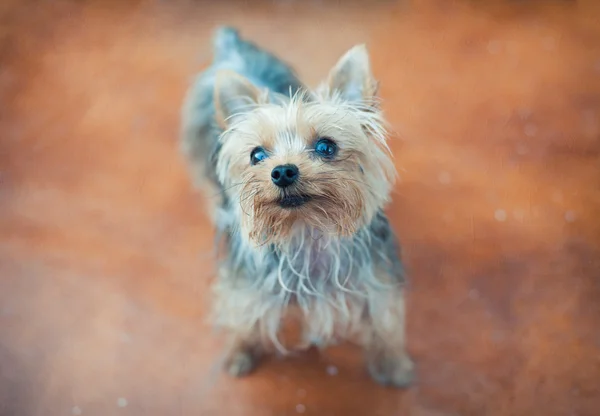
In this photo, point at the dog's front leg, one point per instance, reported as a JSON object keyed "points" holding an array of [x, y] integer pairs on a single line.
{"points": [[237, 311], [244, 353], [385, 346]]}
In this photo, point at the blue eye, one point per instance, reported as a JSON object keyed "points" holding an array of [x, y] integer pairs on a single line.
{"points": [[258, 155], [326, 148]]}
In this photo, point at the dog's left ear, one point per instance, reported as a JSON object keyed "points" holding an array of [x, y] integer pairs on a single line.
{"points": [[351, 77], [234, 95]]}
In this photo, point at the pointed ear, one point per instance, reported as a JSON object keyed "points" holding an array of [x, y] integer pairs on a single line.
{"points": [[233, 95], [351, 77]]}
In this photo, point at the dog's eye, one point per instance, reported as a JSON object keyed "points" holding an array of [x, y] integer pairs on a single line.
{"points": [[258, 155], [326, 148]]}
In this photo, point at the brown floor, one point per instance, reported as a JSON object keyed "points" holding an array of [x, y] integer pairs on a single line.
{"points": [[105, 256]]}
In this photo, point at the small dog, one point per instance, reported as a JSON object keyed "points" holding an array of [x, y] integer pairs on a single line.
{"points": [[298, 180]]}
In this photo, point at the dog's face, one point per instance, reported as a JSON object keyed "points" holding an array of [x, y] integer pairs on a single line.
{"points": [[318, 159]]}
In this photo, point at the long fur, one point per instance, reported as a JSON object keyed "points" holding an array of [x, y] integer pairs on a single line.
{"points": [[333, 282], [333, 261]]}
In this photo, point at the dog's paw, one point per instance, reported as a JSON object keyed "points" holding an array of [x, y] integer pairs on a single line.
{"points": [[396, 372], [241, 363]]}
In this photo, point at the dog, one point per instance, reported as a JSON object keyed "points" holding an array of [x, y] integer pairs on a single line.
{"points": [[297, 180]]}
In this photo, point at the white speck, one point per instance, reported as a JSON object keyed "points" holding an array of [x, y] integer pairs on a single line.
{"points": [[524, 113], [473, 293], [122, 402], [332, 370], [588, 114], [522, 149], [448, 216], [530, 129], [497, 336], [285, 2], [444, 177], [300, 408], [139, 123], [301, 393], [512, 46], [557, 196], [512, 162], [76, 410], [519, 214], [500, 215], [549, 43], [6, 77], [494, 46], [491, 197], [569, 216], [589, 124]]}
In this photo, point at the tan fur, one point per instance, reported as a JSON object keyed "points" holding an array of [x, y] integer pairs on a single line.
{"points": [[346, 197], [323, 264]]}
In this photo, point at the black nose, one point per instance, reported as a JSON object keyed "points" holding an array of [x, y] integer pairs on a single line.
{"points": [[284, 175]]}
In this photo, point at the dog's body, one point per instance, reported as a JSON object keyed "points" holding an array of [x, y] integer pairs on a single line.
{"points": [[311, 238]]}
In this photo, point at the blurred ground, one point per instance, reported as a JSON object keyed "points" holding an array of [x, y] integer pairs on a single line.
{"points": [[105, 255]]}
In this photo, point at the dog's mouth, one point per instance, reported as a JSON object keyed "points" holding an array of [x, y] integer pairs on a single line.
{"points": [[293, 201]]}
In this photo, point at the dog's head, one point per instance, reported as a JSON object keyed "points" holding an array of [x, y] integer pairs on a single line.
{"points": [[316, 159]]}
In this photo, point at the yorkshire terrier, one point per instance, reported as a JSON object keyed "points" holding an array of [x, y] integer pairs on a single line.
{"points": [[298, 180]]}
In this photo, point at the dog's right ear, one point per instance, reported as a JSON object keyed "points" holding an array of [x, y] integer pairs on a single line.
{"points": [[234, 95], [352, 78]]}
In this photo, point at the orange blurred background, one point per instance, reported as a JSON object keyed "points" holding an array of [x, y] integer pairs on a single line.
{"points": [[106, 256]]}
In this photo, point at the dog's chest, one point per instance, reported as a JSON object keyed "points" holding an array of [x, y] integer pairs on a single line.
{"points": [[318, 268]]}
